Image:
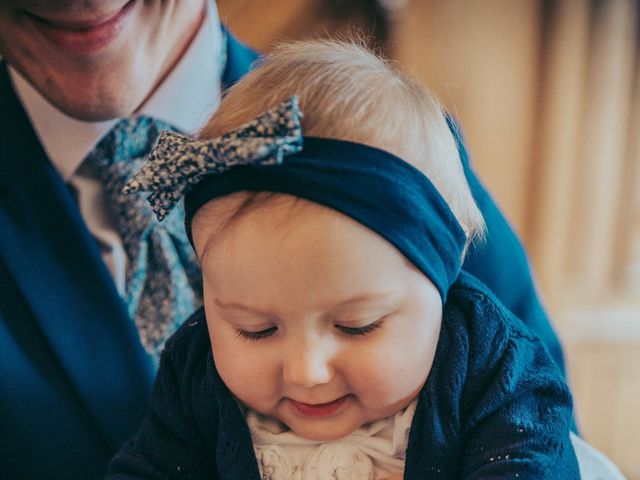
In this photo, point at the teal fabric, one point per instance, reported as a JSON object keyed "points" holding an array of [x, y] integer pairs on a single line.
{"points": [[74, 378], [163, 280]]}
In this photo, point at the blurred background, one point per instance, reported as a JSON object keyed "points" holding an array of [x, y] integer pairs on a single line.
{"points": [[548, 95]]}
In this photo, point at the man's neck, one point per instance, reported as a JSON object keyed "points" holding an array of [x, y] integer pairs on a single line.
{"points": [[181, 46]]}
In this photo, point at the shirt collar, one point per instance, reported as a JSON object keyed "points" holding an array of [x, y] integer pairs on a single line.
{"points": [[185, 99]]}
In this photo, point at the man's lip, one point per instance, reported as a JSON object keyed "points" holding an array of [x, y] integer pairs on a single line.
{"points": [[82, 35], [318, 409], [81, 23]]}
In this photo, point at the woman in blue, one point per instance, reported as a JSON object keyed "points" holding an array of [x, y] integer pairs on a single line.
{"points": [[339, 338]]}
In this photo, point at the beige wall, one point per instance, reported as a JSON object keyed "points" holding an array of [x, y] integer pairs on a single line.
{"points": [[547, 101], [481, 59]]}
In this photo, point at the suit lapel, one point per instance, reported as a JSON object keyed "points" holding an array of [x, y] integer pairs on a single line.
{"points": [[57, 267]]}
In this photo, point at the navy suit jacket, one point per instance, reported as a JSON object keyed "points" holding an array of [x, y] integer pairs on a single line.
{"points": [[74, 379]]}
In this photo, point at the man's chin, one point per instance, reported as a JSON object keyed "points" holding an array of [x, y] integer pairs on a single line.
{"points": [[94, 105], [94, 113]]}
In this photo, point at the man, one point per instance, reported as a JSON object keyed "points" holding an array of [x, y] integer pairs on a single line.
{"points": [[74, 377], [75, 371]]}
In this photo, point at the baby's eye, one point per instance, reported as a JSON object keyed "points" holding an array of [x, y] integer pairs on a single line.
{"points": [[355, 331], [260, 334]]}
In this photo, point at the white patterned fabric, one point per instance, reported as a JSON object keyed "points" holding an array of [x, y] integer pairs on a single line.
{"points": [[163, 282], [178, 161], [373, 452]]}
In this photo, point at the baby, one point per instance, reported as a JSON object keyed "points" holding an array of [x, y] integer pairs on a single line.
{"points": [[338, 339]]}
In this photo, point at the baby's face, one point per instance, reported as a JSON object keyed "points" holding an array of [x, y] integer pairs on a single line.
{"points": [[314, 319]]}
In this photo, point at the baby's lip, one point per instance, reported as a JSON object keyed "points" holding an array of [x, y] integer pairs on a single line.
{"points": [[318, 409]]}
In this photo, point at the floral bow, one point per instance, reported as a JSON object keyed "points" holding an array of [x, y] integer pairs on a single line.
{"points": [[178, 161]]}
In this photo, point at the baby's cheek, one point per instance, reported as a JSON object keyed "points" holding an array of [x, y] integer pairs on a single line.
{"points": [[236, 367], [252, 385], [390, 382]]}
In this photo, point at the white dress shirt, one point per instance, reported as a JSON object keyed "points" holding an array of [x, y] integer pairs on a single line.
{"points": [[185, 99]]}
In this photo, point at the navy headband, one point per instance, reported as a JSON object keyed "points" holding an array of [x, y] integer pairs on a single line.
{"points": [[372, 186], [375, 188]]}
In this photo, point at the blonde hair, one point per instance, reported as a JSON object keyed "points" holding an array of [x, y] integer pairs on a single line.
{"points": [[348, 93]]}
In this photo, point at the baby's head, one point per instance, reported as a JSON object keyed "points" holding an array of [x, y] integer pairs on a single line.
{"points": [[348, 93], [324, 277]]}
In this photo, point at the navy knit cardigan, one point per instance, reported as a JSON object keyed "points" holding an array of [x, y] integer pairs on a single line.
{"points": [[494, 406]]}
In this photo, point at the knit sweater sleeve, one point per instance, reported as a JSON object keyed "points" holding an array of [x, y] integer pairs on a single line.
{"points": [[169, 443], [515, 407]]}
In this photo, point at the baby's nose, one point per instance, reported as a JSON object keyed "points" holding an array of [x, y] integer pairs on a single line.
{"points": [[309, 364]]}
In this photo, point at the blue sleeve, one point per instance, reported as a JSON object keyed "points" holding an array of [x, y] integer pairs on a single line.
{"points": [[518, 425], [516, 409], [501, 263]]}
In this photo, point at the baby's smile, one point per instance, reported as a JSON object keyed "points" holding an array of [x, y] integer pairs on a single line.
{"points": [[319, 409]]}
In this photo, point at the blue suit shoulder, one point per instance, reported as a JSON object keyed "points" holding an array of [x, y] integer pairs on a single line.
{"points": [[501, 261], [239, 61]]}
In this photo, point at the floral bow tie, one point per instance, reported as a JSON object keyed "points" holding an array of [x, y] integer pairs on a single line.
{"points": [[178, 161]]}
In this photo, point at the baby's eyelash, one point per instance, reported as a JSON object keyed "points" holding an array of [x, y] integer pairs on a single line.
{"points": [[248, 335], [349, 331], [355, 331]]}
